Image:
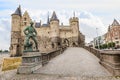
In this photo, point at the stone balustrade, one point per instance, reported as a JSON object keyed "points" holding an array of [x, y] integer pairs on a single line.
{"points": [[96, 52], [31, 61], [48, 56], [110, 59]]}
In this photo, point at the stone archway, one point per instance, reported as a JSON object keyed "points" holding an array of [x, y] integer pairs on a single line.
{"points": [[52, 45], [66, 42], [18, 51], [74, 44]]}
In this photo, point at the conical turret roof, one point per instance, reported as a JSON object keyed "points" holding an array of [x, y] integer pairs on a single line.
{"points": [[18, 11]]}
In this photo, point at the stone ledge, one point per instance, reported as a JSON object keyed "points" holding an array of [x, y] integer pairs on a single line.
{"points": [[113, 70], [31, 54], [115, 65], [110, 59], [110, 52], [29, 64]]}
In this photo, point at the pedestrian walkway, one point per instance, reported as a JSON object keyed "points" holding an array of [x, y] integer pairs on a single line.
{"points": [[74, 62]]}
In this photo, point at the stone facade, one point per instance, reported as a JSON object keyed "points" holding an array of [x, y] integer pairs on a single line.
{"points": [[113, 34], [50, 36]]}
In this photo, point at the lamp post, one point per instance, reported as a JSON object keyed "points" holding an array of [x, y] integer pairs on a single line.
{"points": [[97, 38]]}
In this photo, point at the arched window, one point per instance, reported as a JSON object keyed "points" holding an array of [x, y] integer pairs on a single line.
{"points": [[52, 45]]}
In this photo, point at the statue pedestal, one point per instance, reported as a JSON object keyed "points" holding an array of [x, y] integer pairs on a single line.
{"points": [[31, 61]]}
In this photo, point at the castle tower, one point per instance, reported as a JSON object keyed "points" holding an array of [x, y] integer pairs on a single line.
{"points": [[74, 24], [16, 33], [54, 26]]}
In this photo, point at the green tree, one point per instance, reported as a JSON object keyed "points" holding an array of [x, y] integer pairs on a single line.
{"points": [[111, 45], [96, 47], [101, 46], [0, 50], [104, 46], [5, 50]]}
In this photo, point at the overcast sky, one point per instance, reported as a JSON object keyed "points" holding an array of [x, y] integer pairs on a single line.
{"points": [[92, 14]]}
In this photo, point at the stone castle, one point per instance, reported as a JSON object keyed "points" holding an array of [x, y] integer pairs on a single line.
{"points": [[50, 36]]}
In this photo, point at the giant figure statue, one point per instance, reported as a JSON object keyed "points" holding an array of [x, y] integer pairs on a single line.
{"points": [[30, 33]]}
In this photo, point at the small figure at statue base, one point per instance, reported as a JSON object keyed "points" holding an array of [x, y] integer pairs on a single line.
{"points": [[28, 47]]}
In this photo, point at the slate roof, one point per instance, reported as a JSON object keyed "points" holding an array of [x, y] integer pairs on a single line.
{"points": [[45, 25], [115, 23], [37, 25], [54, 17], [18, 11]]}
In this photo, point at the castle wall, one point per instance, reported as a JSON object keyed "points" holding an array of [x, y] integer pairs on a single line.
{"points": [[49, 37], [65, 33], [44, 40], [43, 31]]}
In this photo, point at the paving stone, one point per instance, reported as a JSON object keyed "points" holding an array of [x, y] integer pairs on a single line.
{"points": [[75, 62]]}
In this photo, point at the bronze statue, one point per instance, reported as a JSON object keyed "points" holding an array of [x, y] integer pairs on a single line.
{"points": [[30, 33]]}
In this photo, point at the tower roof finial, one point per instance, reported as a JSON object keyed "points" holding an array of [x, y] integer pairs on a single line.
{"points": [[48, 21], [74, 13], [109, 28]]}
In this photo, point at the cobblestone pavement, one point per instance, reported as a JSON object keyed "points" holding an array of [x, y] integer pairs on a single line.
{"points": [[56, 77], [11, 75], [7, 75], [75, 62]]}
